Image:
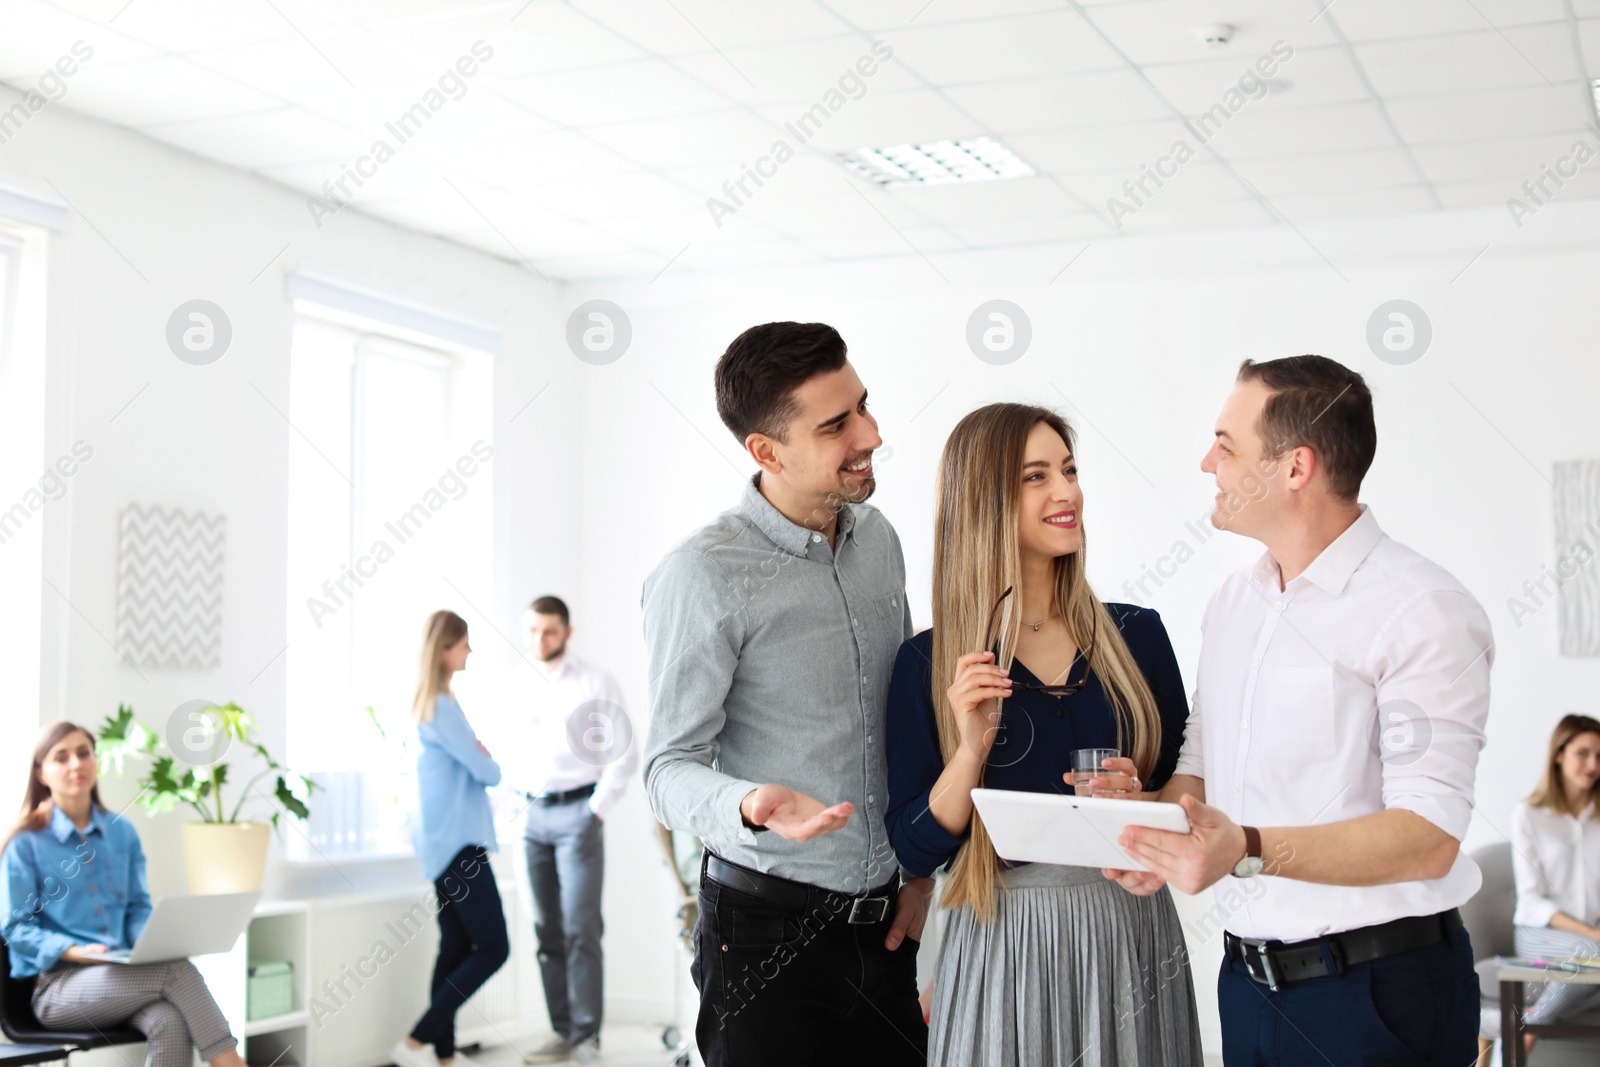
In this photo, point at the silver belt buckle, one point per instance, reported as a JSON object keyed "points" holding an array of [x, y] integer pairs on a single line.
{"points": [[861, 916], [1268, 973]]}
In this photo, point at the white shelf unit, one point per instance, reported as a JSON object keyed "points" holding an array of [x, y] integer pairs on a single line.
{"points": [[362, 965], [279, 930]]}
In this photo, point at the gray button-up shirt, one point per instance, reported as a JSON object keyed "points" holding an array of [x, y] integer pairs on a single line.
{"points": [[770, 658]]}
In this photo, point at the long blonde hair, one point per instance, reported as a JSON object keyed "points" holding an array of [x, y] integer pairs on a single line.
{"points": [[36, 802], [1552, 792], [977, 554], [444, 629]]}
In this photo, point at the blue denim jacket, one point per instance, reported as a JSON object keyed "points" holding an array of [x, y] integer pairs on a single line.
{"points": [[65, 887]]}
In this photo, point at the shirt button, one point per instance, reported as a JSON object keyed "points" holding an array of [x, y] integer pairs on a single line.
{"points": [[894, 602], [869, 739], [1244, 724], [1236, 787], [863, 678], [1277, 605], [816, 537], [1255, 661], [854, 621], [871, 799]]}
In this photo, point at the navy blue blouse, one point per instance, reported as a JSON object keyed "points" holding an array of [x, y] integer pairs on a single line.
{"points": [[1037, 736]]}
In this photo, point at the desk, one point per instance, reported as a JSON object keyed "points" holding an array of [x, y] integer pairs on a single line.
{"points": [[1513, 986]]}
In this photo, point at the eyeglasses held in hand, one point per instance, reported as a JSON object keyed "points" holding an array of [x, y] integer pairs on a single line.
{"points": [[1067, 690]]}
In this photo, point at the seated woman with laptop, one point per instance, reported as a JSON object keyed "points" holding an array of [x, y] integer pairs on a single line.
{"points": [[73, 890]]}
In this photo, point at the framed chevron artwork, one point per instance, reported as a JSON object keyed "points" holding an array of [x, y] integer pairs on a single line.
{"points": [[1577, 572], [169, 587]]}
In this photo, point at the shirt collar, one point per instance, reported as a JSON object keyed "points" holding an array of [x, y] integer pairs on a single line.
{"points": [[560, 669], [789, 536], [1334, 565], [61, 825]]}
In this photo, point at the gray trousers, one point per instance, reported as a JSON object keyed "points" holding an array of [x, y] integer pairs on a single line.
{"points": [[564, 845], [167, 1002]]}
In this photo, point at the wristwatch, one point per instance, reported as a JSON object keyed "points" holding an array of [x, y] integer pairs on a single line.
{"points": [[1251, 864]]}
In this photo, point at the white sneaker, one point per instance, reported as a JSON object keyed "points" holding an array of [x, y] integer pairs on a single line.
{"points": [[406, 1056], [554, 1050], [587, 1051]]}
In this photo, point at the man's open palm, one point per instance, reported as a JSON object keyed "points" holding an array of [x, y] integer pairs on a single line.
{"points": [[794, 816]]}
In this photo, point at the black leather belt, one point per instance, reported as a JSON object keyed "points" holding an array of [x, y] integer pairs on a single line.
{"points": [[869, 907], [551, 799], [1275, 964]]}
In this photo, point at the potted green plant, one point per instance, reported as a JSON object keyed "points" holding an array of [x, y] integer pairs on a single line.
{"points": [[222, 852]]}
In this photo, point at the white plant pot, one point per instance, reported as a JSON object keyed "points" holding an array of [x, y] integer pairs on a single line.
{"points": [[225, 857]]}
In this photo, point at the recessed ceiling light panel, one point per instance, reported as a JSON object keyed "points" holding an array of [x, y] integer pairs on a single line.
{"points": [[976, 159]]}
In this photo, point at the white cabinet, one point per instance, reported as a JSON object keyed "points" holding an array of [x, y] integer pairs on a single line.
{"points": [[363, 964]]}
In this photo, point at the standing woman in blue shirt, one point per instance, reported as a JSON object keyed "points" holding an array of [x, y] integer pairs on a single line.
{"points": [[453, 834], [1040, 963], [74, 889]]}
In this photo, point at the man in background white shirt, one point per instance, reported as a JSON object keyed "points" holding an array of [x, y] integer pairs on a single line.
{"points": [[1338, 715], [573, 757]]}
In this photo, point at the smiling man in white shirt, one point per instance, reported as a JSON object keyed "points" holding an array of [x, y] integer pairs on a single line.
{"points": [[572, 759], [1338, 715]]}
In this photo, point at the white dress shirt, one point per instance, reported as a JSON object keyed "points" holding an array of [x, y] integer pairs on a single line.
{"points": [[562, 728], [1361, 686], [1556, 859]]}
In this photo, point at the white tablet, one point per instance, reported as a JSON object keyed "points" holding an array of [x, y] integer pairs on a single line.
{"points": [[1069, 830]]}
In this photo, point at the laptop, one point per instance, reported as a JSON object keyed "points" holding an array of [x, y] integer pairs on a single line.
{"points": [[185, 926]]}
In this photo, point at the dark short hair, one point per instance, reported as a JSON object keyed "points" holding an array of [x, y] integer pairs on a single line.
{"points": [[758, 375], [1322, 405], [551, 605]]}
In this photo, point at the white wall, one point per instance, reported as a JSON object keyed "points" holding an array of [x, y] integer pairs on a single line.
{"points": [[1138, 343]]}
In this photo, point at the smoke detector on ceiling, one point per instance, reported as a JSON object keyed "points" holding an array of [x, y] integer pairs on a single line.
{"points": [[1214, 34]]}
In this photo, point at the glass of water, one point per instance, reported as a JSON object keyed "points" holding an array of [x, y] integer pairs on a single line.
{"points": [[1086, 765]]}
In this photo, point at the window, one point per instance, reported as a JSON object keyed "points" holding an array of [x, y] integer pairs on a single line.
{"points": [[390, 519], [27, 487]]}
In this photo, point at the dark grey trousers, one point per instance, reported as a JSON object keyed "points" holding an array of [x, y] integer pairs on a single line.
{"points": [[564, 845]]}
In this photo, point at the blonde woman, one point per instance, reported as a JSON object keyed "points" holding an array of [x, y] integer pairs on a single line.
{"points": [[453, 833], [1555, 838], [74, 888], [1040, 963]]}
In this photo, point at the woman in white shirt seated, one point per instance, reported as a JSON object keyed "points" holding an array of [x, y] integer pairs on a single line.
{"points": [[1555, 839]]}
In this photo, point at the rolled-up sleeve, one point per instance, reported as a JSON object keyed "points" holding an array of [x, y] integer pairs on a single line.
{"points": [[1433, 703], [614, 779], [1536, 905], [915, 761], [693, 630]]}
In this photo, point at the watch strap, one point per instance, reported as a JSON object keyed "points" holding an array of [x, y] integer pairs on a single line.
{"points": [[1252, 842]]}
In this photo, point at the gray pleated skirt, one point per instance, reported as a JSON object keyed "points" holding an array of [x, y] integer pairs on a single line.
{"points": [[1073, 970]]}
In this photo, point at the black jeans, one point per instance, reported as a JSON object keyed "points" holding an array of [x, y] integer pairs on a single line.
{"points": [[472, 945], [795, 988]]}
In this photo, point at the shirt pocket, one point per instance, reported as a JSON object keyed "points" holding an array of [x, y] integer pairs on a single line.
{"points": [[888, 621]]}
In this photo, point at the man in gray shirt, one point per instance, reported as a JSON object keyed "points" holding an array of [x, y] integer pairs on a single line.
{"points": [[772, 633]]}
